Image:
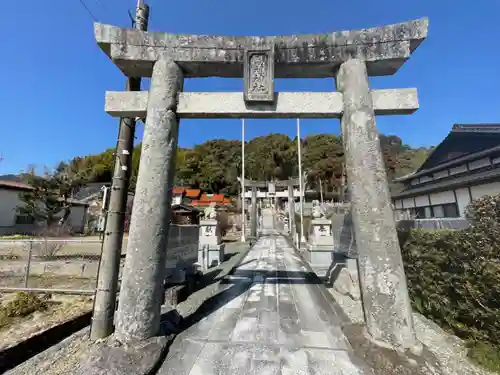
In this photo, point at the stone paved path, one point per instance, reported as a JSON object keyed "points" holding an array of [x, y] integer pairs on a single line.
{"points": [[270, 318]]}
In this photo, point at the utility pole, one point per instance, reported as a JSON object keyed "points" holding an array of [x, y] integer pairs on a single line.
{"points": [[321, 191], [107, 282], [301, 186], [243, 216]]}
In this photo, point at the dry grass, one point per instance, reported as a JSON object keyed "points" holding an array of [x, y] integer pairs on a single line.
{"points": [[25, 315], [22, 305], [49, 281], [79, 247]]}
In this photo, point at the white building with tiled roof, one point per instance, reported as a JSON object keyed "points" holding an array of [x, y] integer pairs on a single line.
{"points": [[13, 223], [463, 167]]}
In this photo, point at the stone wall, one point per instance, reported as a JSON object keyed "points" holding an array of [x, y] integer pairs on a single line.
{"points": [[344, 236], [182, 250]]}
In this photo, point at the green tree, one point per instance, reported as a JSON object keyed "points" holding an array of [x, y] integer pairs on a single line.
{"points": [[49, 202], [215, 165], [323, 156], [270, 157]]}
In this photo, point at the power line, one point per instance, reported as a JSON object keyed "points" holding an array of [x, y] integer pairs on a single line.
{"points": [[104, 8], [88, 10], [101, 4]]}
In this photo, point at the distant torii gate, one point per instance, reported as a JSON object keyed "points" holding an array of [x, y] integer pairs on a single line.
{"points": [[350, 57], [289, 184]]}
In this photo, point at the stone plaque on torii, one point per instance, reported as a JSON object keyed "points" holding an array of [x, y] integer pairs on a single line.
{"points": [[350, 57]]}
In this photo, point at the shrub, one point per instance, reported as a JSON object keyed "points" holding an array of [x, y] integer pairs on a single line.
{"points": [[23, 305], [454, 276], [486, 355], [483, 215]]}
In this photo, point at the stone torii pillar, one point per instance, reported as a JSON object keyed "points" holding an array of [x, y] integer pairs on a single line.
{"points": [[291, 209], [386, 302], [291, 183], [141, 292], [253, 214]]}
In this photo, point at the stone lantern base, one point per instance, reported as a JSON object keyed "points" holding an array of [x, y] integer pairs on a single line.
{"points": [[210, 248]]}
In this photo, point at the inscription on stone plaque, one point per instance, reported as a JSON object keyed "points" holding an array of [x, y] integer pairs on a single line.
{"points": [[259, 75], [322, 231]]}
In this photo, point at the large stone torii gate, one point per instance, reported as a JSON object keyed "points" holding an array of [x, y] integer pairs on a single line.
{"points": [[350, 57]]}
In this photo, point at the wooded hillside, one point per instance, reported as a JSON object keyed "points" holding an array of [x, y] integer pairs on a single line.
{"points": [[215, 165]]}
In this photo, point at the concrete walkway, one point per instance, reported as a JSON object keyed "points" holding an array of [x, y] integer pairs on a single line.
{"points": [[271, 317]]}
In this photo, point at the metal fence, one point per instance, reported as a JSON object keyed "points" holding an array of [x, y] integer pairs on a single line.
{"points": [[50, 264], [71, 265]]}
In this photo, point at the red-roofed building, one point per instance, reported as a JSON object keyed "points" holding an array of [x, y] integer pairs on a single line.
{"points": [[182, 195], [206, 199], [193, 193], [217, 198], [195, 198], [178, 190]]}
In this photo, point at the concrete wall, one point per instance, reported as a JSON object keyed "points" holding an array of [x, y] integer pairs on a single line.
{"points": [[345, 242], [182, 249]]}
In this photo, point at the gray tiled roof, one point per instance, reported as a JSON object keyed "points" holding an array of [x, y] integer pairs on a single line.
{"points": [[470, 178]]}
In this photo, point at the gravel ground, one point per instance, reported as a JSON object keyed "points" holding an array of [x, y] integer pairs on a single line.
{"points": [[449, 351], [64, 357]]}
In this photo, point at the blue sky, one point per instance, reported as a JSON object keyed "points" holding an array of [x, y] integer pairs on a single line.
{"points": [[55, 76]]}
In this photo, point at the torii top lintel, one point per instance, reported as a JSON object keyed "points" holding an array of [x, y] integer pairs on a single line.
{"points": [[384, 49], [265, 184]]}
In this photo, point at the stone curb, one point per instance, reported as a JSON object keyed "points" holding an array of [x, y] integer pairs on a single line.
{"points": [[23, 351]]}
